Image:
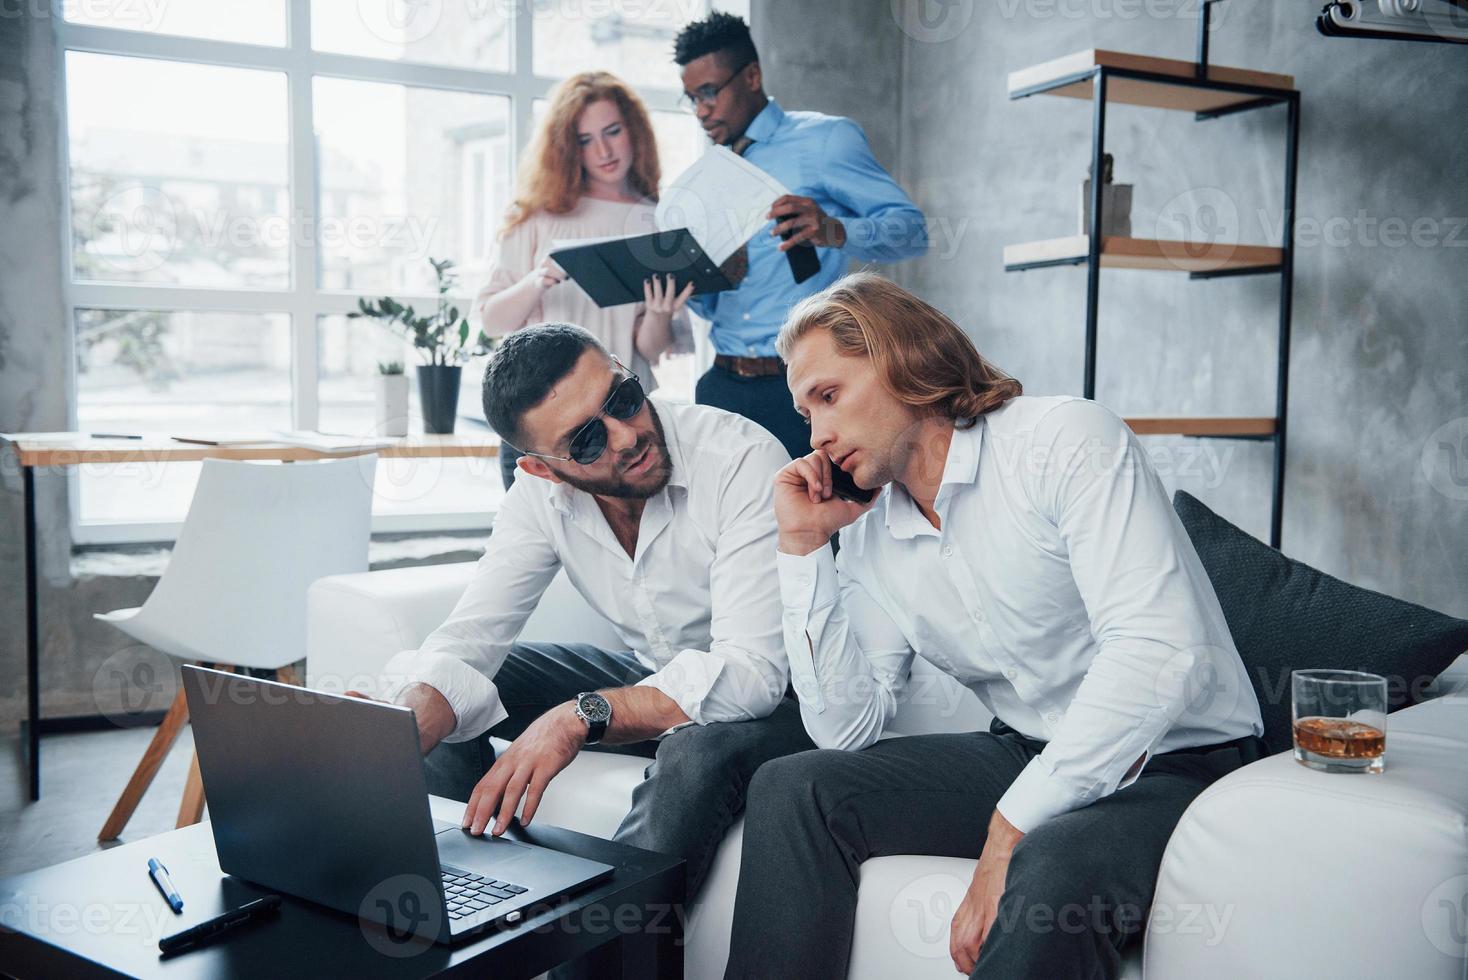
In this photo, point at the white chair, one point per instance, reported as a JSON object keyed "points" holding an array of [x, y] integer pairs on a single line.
{"points": [[234, 592]]}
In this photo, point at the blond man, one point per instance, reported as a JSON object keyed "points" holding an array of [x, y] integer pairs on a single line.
{"points": [[1025, 546]]}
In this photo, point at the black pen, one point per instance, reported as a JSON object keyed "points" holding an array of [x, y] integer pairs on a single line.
{"points": [[160, 877], [206, 932], [111, 435]]}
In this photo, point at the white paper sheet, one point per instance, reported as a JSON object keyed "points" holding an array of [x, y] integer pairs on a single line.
{"points": [[722, 200]]}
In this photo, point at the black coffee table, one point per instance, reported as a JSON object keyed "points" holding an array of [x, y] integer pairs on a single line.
{"points": [[100, 916]]}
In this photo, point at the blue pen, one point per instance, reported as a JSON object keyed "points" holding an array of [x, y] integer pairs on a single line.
{"points": [[159, 874]]}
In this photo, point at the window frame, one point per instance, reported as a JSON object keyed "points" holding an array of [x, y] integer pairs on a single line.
{"points": [[303, 301]]}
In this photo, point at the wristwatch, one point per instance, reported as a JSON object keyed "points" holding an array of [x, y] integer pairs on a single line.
{"points": [[596, 711]]}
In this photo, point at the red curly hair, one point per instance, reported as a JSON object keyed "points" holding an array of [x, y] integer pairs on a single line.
{"points": [[551, 176]]}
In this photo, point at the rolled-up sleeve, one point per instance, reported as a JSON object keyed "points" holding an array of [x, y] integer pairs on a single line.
{"points": [[884, 224], [461, 657], [1145, 602], [743, 674]]}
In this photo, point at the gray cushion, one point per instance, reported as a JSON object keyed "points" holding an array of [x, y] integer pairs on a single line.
{"points": [[1287, 616]]}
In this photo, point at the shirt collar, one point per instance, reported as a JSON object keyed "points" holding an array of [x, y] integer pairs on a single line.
{"points": [[960, 468], [763, 126], [563, 496]]}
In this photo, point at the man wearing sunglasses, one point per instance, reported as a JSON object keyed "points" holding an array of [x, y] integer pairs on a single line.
{"points": [[662, 518], [842, 203]]}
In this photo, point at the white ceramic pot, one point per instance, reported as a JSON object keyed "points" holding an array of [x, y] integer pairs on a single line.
{"points": [[392, 404]]}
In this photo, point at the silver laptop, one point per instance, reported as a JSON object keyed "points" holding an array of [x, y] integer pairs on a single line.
{"points": [[323, 797]]}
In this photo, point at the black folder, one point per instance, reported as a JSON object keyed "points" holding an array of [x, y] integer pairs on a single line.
{"points": [[611, 272]]}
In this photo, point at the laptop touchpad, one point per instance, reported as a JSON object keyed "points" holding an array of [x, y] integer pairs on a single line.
{"points": [[453, 842]]}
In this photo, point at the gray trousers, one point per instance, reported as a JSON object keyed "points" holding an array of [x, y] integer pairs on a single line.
{"points": [[694, 787], [1079, 885]]}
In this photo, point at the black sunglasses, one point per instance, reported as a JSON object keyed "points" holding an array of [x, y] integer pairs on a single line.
{"points": [[590, 441]]}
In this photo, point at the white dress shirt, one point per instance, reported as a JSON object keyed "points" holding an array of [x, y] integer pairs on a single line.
{"points": [[698, 604], [1062, 590]]}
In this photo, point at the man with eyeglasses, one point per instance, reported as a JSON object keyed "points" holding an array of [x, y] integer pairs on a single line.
{"points": [[842, 203], [663, 520]]}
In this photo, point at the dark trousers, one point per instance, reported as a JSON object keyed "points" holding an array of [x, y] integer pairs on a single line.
{"points": [[694, 788], [763, 400], [813, 818]]}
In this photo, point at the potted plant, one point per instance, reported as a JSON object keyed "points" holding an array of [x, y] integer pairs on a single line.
{"points": [[441, 337], [391, 399]]}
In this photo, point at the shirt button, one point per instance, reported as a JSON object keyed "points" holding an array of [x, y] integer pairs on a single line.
{"points": [[976, 616], [746, 316], [1011, 673], [947, 551], [1053, 717]]}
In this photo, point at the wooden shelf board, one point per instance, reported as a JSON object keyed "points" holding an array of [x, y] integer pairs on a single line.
{"points": [[1133, 91], [1251, 427], [1147, 253]]}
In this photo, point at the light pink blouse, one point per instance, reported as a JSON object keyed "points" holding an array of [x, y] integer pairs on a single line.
{"points": [[526, 247]]}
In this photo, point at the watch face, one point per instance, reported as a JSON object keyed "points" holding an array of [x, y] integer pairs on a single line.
{"points": [[595, 708]]}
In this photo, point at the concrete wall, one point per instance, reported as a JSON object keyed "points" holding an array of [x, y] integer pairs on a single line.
{"points": [[1377, 476], [34, 377]]}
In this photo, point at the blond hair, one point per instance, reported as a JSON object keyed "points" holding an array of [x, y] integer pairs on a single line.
{"points": [[921, 356]]}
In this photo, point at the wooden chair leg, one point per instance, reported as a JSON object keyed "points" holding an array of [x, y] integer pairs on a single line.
{"points": [[191, 808], [142, 777]]}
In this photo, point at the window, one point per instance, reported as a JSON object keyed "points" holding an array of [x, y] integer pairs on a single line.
{"points": [[241, 171]]}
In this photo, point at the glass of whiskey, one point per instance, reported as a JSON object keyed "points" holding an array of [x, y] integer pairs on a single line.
{"points": [[1339, 720]]}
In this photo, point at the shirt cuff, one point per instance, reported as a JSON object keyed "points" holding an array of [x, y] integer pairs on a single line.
{"points": [[807, 582], [687, 680], [861, 233], [1035, 796], [472, 696]]}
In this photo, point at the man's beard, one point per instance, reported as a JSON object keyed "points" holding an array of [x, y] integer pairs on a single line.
{"points": [[617, 486]]}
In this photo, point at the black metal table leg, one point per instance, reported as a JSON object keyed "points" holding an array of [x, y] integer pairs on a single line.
{"points": [[1096, 239], [32, 635]]}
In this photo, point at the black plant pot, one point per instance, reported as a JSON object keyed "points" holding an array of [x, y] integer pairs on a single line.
{"points": [[438, 394]]}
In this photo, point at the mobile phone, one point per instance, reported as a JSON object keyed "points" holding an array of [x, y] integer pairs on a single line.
{"points": [[843, 486], [804, 262]]}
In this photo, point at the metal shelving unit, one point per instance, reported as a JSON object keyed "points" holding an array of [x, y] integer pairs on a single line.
{"points": [[1209, 92]]}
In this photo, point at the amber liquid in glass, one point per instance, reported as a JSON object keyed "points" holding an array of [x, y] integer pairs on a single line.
{"points": [[1338, 738]]}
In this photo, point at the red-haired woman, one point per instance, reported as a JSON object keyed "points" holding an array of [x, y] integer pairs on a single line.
{"points": [[591, 171]]}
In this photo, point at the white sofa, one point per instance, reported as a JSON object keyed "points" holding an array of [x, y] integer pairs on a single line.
{"points": [[1275, 871]]}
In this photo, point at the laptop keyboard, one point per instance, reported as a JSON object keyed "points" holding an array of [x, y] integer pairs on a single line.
{"points": [[469, 893]]}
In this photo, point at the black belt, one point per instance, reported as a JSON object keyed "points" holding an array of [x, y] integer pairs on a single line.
{"points": [[750, 367]]}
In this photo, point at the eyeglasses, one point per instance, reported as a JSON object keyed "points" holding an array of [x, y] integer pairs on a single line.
{"points": [[590, 441], [707, 94]]}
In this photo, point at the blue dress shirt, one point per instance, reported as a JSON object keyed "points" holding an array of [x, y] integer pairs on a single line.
{"points": [[827, 159]]}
